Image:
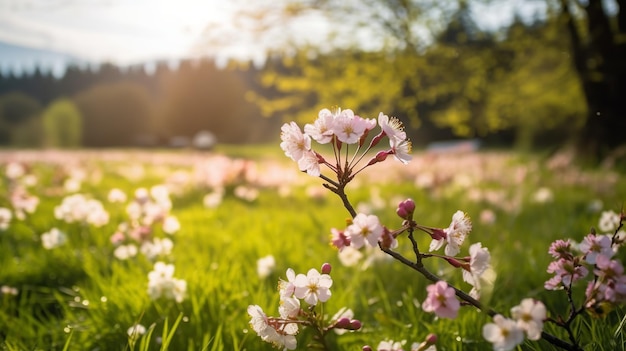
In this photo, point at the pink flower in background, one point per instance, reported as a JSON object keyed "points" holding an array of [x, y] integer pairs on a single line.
{"points": [[441, 300]]}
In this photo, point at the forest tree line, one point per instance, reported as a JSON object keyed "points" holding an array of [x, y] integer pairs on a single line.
{"points": [[516, 87]]}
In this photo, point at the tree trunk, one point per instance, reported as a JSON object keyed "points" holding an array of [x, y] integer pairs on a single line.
{"points": [[599, 57]]}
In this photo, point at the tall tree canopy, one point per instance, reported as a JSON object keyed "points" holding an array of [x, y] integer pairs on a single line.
{"points": [[428, 62]]}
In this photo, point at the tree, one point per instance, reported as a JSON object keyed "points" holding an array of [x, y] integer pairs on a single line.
{"points": [[115, 114], [62, 124], [16, 109], [598, 52], [455, 75]]}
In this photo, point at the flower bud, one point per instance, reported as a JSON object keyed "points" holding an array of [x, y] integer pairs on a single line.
{"points": [[380, 157], [355, 324], [367, 348], [343, 323], [406, 208], [438, 234], [431, 338], [326, 268]]}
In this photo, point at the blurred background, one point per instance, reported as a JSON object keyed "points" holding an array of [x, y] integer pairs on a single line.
{"points": [[534, 74]]}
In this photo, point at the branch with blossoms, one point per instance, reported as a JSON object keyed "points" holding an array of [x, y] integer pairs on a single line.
{"points": [[348, 135], [302, 298]]}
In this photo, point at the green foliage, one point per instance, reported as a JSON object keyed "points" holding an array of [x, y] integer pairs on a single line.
{"points": [[17, 110], [114, 114], [467, 82], [62, 124]]}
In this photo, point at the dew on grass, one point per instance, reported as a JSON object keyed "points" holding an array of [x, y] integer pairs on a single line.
{"points": [[103, 299]]}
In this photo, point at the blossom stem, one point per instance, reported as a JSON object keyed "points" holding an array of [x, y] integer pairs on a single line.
{"points": [[419, 267]]}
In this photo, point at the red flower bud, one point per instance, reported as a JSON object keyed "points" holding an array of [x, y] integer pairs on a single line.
{"points": [[326, 268]]}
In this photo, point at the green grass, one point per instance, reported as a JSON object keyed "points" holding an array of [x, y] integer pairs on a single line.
{"points": [[80, 297]]}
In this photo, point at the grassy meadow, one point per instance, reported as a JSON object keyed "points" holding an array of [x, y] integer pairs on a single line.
{"points": [[236, 205]]}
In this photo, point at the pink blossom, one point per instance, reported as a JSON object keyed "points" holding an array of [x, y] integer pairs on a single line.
{"points": [[294, 142], [441, 300], [595, 245], [560, 249], [322, 129], [339, 239], [349, 128], [364, 228]]}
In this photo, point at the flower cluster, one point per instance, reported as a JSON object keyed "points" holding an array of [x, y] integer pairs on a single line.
{"points": [[341, 127], [573, 262], [80, 208], [506, 333], [148, 210], [53, 238], [162, 284], [18, 181], [312, 289]]}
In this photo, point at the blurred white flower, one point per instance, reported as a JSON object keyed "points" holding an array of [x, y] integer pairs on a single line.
{"points": [[609, 220], [543, 195], [171, 225], [162, 284], [246, 193], [158, 247], [213, 199], [53, 238], [72, 185], [8, 290], [136, 330], [14, 170], [350, 256], [124, 252], [116, 195], [5, 218], [78, 208], [265, 266]]}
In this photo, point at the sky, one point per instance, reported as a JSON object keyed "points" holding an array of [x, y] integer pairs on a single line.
{"points": [[127, 32]]}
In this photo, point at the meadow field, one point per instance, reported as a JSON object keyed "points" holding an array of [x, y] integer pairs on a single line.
{"points": [[86, 235]]}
